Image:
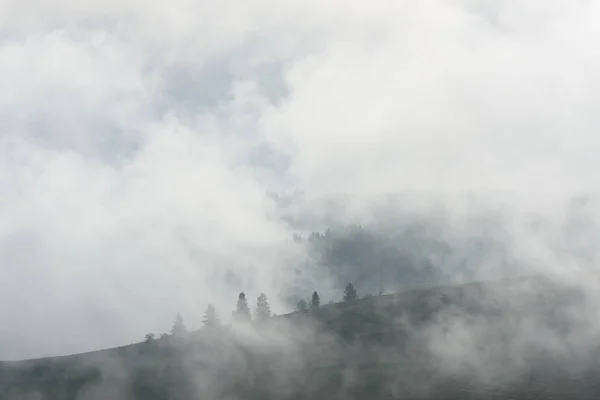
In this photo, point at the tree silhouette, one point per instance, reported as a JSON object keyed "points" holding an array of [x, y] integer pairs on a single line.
{"points": [[242, 311], [211, 318], [315, 302], [178, 328], [302, 306], [350, 292], [263, 310], [149, 337]]}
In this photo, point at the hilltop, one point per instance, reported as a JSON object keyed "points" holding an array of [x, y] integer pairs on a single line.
{"points": [[520, 338]]}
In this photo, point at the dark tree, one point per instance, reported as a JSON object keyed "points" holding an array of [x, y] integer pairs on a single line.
{"points": [[315, 302], [164, 335], [242, 311], [350, 293], [211, 318], [149, 337], [178, 328], [302, 306], [263, 310]]}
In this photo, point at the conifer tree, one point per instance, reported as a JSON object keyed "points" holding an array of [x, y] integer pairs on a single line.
{"points": [[263, 310], [301, 306], [242, 311], [350, 293], [211, 318], [178, 328], [315, 301]]}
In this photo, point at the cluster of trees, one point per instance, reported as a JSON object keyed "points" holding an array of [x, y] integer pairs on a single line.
{"points": [[242, 312], [177, 330], [387, 256], [211, 317], [350, 294]]}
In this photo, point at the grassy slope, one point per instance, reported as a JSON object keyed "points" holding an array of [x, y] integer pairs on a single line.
{"points": [[370, 348]]}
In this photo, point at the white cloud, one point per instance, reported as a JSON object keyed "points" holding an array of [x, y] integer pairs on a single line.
{"points": [[124, 200]]}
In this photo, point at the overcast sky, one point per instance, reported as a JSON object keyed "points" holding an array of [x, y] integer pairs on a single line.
{"points": [[138, 139]]}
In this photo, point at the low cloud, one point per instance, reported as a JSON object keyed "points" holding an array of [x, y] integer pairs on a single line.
{"points": [[138, 142]]}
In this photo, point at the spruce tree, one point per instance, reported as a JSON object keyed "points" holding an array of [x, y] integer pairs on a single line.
{"points": [[263, 310], [301, 306], [242, 311], [211, 318], [178, 328], [350, 293], [315, 301]]}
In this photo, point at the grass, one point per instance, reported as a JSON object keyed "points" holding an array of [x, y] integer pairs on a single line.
{"points": [[371, 348]]}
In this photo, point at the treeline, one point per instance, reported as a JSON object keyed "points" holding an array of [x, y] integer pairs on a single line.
{"points": [[242, 312], [377, 259], [389, 257]]}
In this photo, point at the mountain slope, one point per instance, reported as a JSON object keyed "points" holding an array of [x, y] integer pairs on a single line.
{"points": [[520, 338]]}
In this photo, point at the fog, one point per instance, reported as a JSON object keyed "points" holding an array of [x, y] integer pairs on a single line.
{"points": [[139, 142]]}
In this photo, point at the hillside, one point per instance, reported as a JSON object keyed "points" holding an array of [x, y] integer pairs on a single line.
{"points": [[524, 338]]}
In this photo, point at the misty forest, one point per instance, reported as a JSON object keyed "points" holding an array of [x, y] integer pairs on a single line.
{"points": [[299, 200], [384, 337]]}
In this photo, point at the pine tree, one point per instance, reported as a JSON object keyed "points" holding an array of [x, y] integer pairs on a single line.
{"points": [[263, 310], [178, 328], [211, 318], [315, 301], [301, 306], [242, 311], [350, 293]]}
